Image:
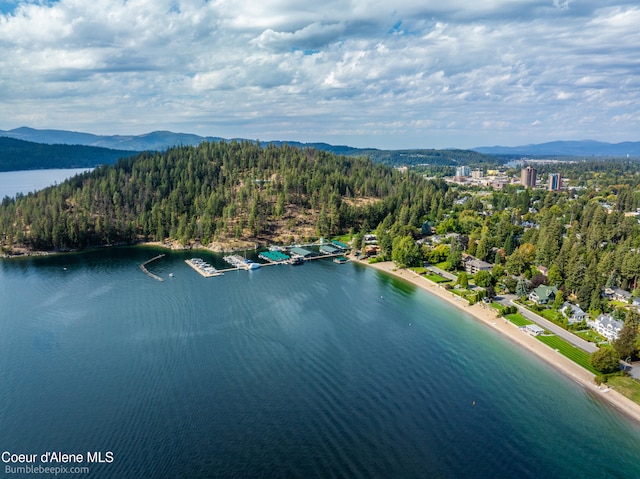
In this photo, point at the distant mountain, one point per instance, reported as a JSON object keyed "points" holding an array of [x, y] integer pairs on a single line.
{"points": [[157, 140], [25, 155], [585, 148], [161, 140]]}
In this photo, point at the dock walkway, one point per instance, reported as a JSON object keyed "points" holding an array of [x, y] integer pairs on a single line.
{"points": [[144, 269], [204, 268]]}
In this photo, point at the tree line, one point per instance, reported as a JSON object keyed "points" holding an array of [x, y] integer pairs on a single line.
{"points": [[214, 191]]}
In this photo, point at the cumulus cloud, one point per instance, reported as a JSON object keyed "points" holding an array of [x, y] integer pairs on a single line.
{"points": [[368, 72]]}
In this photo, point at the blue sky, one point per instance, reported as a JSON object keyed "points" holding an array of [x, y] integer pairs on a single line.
{"points": [[402, 74]]}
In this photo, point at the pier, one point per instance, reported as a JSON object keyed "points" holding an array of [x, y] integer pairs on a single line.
{"points": [[144, 269], [275, 256], [204, 268]]}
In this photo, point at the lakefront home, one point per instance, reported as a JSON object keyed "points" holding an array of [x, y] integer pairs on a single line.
{"points": [[543, 294], [473, 265], [607, 326], [573, 313]]}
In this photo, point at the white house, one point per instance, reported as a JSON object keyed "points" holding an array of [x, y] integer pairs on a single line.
{"points": [[573, 313], [607, 326]]}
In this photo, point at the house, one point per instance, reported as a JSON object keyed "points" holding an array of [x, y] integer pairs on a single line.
{"points": [[543, 294], [573, 313], [606, 326], [617, 294], [543, 270], [473, 265], [621, 295]]}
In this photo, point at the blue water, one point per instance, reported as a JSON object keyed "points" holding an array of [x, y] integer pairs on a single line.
{"points": [[28, 181], [320, 370]]}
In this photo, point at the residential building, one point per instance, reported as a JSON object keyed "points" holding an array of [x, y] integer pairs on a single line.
{"points": [[573, 313], [543, 294], [528, 177], [607, 326], [473, 265], [477, 174], [555, 181], [617, 294]]}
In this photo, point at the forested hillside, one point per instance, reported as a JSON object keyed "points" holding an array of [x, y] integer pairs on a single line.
{"points": [[24, 155], [216, 192]]}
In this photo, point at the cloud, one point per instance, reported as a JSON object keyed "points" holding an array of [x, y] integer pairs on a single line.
{"points": [[368, 73]]}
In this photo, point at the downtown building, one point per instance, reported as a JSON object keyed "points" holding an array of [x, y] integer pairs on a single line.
{"points": [[555, 182], [528, 177]]}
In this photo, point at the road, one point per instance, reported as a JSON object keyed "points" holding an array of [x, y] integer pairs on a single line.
{"points": [[441, 272], [577, 341], [507, 300]]}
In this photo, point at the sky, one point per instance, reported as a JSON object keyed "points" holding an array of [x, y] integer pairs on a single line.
{"points": [[365, 73]]}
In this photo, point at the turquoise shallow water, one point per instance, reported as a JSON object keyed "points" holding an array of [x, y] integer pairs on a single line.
{"points": [[320, 370]]}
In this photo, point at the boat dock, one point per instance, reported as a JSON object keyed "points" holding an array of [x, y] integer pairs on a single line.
{"points": [[204, 268], [144, 269], [239, 262], [274, 256]]}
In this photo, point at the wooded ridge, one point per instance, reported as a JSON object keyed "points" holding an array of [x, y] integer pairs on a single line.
{"points": [[215, 192]]}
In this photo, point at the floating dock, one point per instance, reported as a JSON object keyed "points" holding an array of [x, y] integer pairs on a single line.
{"points": [[204, 268], [144, 269], [239, 262]]}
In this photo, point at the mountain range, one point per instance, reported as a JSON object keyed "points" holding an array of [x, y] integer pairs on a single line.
{"points": [[161, 140], [584, 148]]}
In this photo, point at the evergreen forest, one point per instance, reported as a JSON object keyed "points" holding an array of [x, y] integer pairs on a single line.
{"points": [[216, 192]]}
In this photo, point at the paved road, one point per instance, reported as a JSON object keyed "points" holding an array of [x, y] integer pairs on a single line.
{"points": [[577, 341], [441, 272]]}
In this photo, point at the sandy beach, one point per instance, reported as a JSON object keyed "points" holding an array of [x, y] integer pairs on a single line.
{"points": [[489, 317]]}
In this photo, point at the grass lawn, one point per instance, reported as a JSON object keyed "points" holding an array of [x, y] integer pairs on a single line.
{"points": [[551, 315], [518, 319], [626, 386], [576, 355], [342, 238], [591, 336], [419, 269], [436, 278], [442, 265]]}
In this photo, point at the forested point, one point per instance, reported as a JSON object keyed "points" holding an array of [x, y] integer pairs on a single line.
{"points": [[216, 192], [18, 155]]}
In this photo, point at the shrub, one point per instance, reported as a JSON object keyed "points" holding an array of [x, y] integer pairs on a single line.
{"points": [[606, 360]]}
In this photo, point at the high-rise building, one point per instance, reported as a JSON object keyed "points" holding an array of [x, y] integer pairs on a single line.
{"points": [[462, 171], [555, 181], [528, 177], [477, 174]]}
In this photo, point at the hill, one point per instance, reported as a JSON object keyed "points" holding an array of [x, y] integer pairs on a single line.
{"points": [[161, 140], [586, 148], [24, 155], [157, 140], [217, 194]]}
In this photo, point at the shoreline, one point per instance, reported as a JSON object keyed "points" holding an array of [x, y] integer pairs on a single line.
{"points": [[487, 316], [167, 245]]}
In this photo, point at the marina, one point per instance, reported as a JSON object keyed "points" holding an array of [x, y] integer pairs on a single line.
{"points": [[204, 268], [239, 262], [275, 255]]}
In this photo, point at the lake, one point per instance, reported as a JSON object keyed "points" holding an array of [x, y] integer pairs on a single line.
{"points": [[14, 182], [320, 370]]}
